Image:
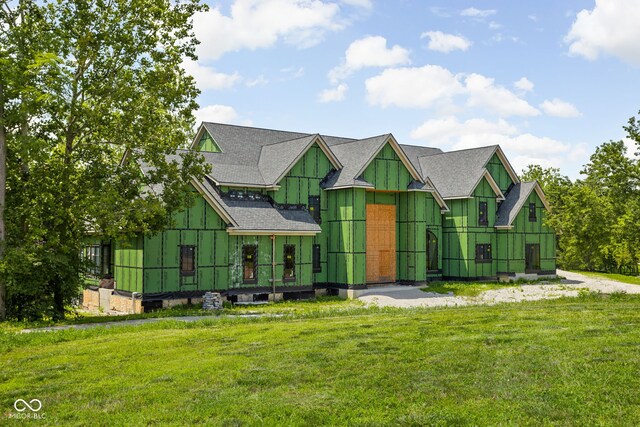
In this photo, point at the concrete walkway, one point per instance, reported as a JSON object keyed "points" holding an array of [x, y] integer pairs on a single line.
{"points": [[571, 286]]}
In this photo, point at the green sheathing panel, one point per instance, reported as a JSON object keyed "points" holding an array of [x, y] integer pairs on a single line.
{"points": [[416, 213], [511, 243], [387, 172], [346, 222], [207, 143], [461, 233], [302, 181], [128, 264], [303, 261], [499, 173], [200, 226]]}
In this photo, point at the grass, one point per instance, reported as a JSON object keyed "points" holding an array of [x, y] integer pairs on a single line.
{"points": [[473, 289], [633, 280], [571, 361], [282, 307]]}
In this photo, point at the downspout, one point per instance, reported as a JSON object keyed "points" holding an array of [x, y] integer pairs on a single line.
{"points": [[273, 265]]}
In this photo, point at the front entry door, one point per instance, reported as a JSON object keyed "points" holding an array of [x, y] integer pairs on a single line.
{"points": [[531, 258], [381, 243]]}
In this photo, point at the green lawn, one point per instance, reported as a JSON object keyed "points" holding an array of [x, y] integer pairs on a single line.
{"points": [[464, 289], [558, 362], [633, 280]]}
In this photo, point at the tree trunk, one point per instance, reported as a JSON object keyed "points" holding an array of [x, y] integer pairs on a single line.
{"points": [[3, 190]]}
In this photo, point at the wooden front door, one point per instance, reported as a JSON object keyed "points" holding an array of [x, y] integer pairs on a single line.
{"points": [[531, 258], [381, 243]]}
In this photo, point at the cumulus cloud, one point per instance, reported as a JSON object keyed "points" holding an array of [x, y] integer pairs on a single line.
{"points": [[254, 24], [370, 51], [611, 27], [446, 43], [522, 148], [365, 4], [412, 87], [219, 114], [207, 78], [484, 93], [332, 95], [424, 87], [524, 85], [477, 13], [558, 108], [633, 150]]}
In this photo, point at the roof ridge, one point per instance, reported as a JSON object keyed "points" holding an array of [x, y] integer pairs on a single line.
{"points": [[254, 127], [289, 140], [459, 151], [363, 139]]}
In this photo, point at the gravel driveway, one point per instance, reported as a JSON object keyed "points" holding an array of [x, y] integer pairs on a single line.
{"points": [[571, 286]]}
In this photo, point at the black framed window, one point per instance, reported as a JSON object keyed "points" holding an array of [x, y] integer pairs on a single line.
{"points": [[187, 260], [483, 217], [483, 252], [250, 263], [314, 208], [432, 252], [532, 212], [316, 259], [93, 253], [289, 263]]}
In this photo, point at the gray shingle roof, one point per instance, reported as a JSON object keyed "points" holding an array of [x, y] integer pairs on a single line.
{"points": [[261, 215], [456, 173], [513, 202], [354, 155], [414, 153], [276, 158]]}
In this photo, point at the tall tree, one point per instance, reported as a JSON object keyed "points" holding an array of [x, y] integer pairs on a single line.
{"points": [[105, 79]]}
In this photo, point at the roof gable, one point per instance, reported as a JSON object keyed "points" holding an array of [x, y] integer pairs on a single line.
{"points": [[501, 170], [457, 173], [206, 143], [386, 171], [515, 200]]}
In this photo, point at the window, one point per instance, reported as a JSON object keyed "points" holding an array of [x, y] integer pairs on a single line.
{"points": [[289, 263], [249, 263], [316, 259], [483, 252], [92, 253], [482, 214], [106, 260], [532, 212], [432, 252], [187, 260], [314, 208]]}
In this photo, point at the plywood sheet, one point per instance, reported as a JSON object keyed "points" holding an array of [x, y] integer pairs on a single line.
{"points": [[381, 243]]}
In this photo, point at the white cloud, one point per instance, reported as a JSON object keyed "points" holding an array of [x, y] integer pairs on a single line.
{"points": [[332, 95], [558, 108], [258, 81], [432, 85], [494, 25], [522, 149], [478, 13], [255, 24], [611, 27], [370, 51], [292, 72], [219, 114], [207, 78], [412, 87], [442, 42], [632, 148], [365, 4], [524, 85], [534, 18], [484, 93]]}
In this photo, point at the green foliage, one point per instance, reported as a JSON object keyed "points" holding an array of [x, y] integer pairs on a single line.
{"points": [[597, 218], [85, 82], [533, 363]]}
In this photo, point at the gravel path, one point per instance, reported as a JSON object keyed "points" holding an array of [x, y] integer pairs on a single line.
{"points": [[571, 286]]}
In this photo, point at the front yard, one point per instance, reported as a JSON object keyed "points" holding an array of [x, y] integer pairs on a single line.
{"points": [[569, 361]]}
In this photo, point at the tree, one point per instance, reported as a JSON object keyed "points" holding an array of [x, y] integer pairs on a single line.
{"points": [[104, 78]]}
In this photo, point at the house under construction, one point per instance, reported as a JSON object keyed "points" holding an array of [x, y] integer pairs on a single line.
{"points": [[289, 213]]}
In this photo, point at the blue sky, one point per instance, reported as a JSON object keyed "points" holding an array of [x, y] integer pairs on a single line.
{"points": [[547, 80]]}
